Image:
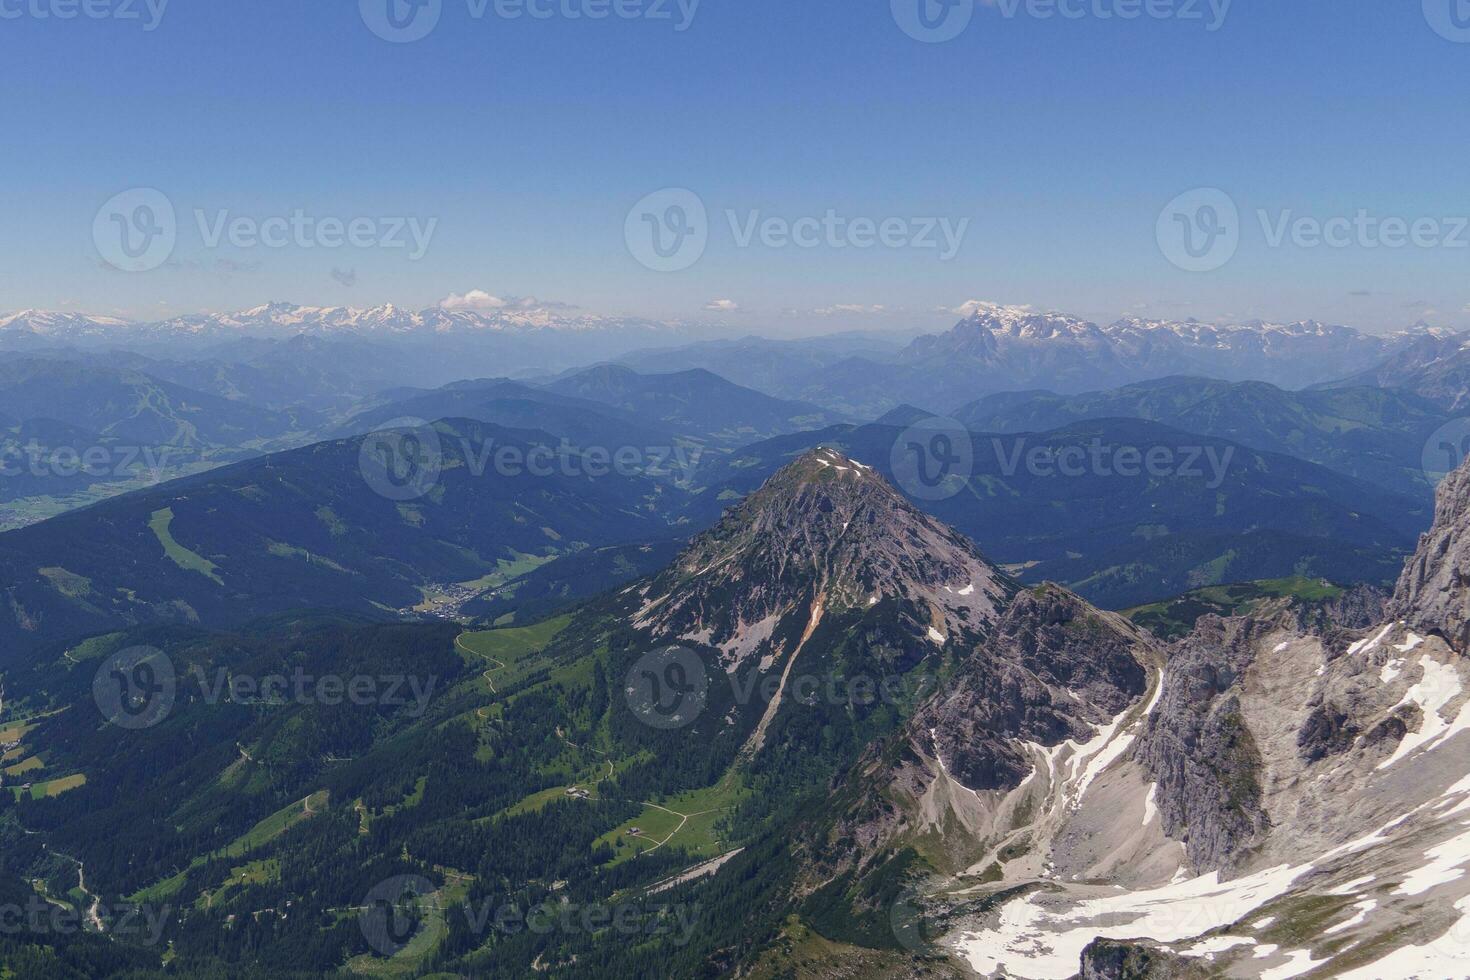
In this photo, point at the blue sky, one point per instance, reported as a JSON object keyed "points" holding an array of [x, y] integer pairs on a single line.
{"points": [[1057, 140]]}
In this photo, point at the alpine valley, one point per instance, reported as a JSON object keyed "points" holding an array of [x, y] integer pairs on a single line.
{"points": [[829, 738]]}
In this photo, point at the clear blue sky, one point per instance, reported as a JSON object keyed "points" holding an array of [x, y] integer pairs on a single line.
{"points": [[1060, 140]]}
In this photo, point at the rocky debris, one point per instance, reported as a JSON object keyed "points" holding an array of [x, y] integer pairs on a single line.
{"points": [[1433, 594]]}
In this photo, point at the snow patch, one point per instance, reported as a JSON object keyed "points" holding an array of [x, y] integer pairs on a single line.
{"points": [[1437, 688], [1035, 942]]}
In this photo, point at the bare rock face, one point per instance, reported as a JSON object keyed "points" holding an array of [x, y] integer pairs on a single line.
{"points": [[1055, 670], [1198, 749], [1433, 593], [1106, 960]]}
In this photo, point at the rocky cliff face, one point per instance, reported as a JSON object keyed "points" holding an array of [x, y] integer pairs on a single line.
{"points": [[989, 764], [1433, 593], [1056, 670], [1198, 749], [1295, 805]]}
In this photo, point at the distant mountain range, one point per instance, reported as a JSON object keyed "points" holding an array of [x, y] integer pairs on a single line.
{"points": [[1374, 434], [993, 349], [999, 349], [279, 320]]}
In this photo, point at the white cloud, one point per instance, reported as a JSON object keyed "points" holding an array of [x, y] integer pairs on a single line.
{"points": [[722, 306], [984, 306], [475, 299]]}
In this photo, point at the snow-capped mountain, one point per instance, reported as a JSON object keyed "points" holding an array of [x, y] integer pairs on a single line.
{"points": [[278, 320], [998, 348], [1018, 338]]}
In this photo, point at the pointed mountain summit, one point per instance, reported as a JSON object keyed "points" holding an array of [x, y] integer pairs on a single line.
{"points": [[825, 535]]}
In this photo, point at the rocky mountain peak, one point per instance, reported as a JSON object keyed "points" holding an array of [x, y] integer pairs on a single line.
{"points": [[1433, 593], [825, 530]]}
